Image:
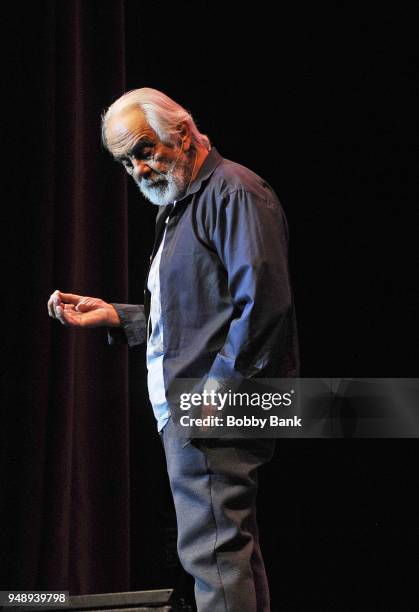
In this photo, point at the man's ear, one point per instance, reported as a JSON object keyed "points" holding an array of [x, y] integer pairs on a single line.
{"points": [[185, 135]]}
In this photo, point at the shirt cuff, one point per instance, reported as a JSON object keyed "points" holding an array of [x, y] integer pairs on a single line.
{"points": [[133, 328]]}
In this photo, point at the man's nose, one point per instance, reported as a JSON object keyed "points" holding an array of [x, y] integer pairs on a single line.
{"points": [[140, 168]]}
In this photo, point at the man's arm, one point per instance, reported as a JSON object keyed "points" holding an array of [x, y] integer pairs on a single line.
{"points": [[251, 239]]}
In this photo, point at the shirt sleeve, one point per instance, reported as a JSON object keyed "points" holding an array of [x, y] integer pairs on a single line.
{"points": [[251, 238], [133, 328]]}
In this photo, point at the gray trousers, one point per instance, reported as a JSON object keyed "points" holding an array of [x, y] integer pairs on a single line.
{"points": [[214, 486]]}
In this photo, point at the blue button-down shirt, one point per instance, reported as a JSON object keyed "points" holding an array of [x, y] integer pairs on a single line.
{"points": [[223, 283], [155, 352]]}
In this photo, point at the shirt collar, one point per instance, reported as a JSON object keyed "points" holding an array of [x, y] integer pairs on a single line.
{"points": [[212, 160]]}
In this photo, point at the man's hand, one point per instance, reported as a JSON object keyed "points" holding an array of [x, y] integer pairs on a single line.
{"points": [[81, 311]]}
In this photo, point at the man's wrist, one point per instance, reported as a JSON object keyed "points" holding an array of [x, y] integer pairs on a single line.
{"points": [[114, 320]]}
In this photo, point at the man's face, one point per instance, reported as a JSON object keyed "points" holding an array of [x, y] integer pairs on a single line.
{"points": [[160, 170]]}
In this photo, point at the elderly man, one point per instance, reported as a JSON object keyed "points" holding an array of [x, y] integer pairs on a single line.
{"points": [[217, 307]]}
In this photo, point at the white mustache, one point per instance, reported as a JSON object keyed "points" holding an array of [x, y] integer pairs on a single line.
{"points": [[150, 182]]}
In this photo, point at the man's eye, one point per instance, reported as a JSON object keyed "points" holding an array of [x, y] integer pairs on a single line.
{"points": [[147, 154], [142, 152]]}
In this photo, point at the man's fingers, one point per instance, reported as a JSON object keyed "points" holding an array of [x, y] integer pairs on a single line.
{"points": [[57, 302], [60, 314], [83, 307], [88, 303], [54, 302], [67, 315], [69, 308], [70, 298], [50, 308]]}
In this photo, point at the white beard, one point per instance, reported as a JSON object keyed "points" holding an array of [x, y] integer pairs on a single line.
{"points": [[166, 188]]}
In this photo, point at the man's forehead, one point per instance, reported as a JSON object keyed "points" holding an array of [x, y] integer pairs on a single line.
{"points": [[127, 126]]}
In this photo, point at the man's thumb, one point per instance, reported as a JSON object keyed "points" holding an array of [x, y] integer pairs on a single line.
{"points": [[83, 307]]}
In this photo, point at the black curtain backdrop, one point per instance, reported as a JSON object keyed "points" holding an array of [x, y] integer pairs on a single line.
{"points": [[66, 436], [316, 101]]}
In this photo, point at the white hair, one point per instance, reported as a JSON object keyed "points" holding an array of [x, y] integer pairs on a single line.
{"points": [[162, 114]]}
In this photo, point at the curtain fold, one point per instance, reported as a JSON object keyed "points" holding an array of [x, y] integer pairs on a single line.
{"points": [[65, 442]]}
